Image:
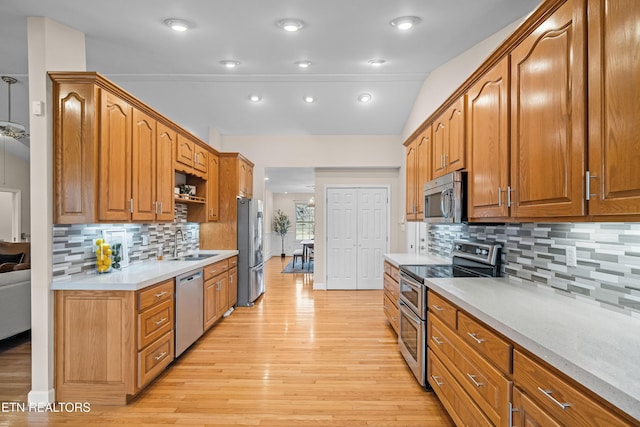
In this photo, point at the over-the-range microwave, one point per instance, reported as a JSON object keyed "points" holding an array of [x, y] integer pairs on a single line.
{"points": [[445, 198]]}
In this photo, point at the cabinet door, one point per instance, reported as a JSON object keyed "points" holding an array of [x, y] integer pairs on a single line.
{"points": [[488, 143], [233, 286], [438, 166], [165, 176], [454, 150], [210, 302], [223, 293], [201, 159], [528, 414], [423, 173], [249, 181], [614, 107], [75, 154], [185, 151], [411, 161], [114, 167], [547, 117], [242, 178], [213, 190], [143, 167]]}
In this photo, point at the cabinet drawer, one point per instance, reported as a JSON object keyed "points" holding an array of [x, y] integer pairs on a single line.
{"points": [[442, 308], [391, 287], [558, 397], [153, 359], [390, 308], [233, 261], [155, 294], [392, 271], [154, 322], [439, 338], [212, 270], [459, 405], [485, 342]]}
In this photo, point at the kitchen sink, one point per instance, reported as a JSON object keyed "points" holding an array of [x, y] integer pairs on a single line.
{"points": [[198, 257]]}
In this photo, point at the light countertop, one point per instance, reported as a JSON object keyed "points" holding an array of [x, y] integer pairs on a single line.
{"points": [[140, 275], [399, 259], [597, 347]]}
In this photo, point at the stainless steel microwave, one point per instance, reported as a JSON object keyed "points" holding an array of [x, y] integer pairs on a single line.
{"points": [[445, 198]]}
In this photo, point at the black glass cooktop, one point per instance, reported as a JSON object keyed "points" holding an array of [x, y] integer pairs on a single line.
{"points": [[420, 272]]}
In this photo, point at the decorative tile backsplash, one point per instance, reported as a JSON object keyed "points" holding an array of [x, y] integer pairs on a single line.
{"points": [[74, 245], [608, 257]]}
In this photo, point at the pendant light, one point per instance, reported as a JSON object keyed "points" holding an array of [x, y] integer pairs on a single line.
{"points": [[9, 128]]}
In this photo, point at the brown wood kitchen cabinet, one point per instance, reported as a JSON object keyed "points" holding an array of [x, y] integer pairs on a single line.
{"points": [[216, 291], [110, 344], [233, 281], [548, 117], [418, 171], [391, 295], [448, 153], [191, 157], [213, 188], [614, 107], [488, 143], [113, 155]]}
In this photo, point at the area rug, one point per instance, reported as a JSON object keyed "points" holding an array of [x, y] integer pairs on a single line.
{"points": [[307, 267]]}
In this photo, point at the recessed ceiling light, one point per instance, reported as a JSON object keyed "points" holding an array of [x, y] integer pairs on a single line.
{"points": [[266, 178], [309, 99], [230, 63], [290, 24], [376, 62], [255, 98], [303, 64], [178, 25], [405, 22], [364, 97]]}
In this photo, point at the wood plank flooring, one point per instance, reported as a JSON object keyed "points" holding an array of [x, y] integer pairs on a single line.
{"points": [[297, 358]]}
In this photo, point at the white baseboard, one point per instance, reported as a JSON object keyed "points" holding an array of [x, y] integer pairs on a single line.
{"points": [[319, 286], [41, 397]]}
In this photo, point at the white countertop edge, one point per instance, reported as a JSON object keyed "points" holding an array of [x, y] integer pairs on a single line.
{"points": [[399, 258], [619, 398], [140, 275]]}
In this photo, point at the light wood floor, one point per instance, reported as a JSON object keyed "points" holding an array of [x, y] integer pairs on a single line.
{"points": [[297, 358]]}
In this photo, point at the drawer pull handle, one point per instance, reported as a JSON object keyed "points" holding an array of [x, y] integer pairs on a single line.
{"points": [[549, 393], [161, 294], [161, 321], [435, 379], [160, 356], [437, 341], [435, 307], [475, 338], [473, 380]]}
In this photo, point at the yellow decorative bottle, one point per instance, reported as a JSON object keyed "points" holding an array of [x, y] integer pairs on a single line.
{"points": [[103, 256]]}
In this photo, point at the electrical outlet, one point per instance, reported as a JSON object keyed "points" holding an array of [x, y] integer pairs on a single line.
{"points": [[145, 240], [572, 256]]}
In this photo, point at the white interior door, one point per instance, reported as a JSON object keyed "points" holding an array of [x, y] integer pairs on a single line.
{"points": [[372, 236], [342, 228], [357, 236]]}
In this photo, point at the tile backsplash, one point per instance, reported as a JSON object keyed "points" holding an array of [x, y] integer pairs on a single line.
{"points": [[74, 245], [608, 257]]}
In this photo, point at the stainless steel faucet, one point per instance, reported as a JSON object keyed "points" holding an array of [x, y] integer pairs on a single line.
{"points": [[175, 242]]}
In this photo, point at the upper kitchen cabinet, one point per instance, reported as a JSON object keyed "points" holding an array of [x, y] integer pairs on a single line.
{"points": [[418, 168], [113, 155], [191, 157], [488, 143], [213, 189], [448, 153], [245, 178], [614, 107], [548, 117]]}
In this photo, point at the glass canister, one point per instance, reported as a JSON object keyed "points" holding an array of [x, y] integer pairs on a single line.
{"points": [[103, 256]]}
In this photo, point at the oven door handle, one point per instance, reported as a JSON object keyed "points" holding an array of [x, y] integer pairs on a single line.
{"points": [[409, 281], [408, 312]]}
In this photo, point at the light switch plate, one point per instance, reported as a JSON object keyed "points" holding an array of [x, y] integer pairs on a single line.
{"points": [[145, 240]]}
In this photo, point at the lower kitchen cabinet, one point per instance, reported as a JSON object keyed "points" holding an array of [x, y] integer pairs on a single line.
{"points": [[110, 344], [220, 289], [483, 379], [233, 285], [391, 295]]}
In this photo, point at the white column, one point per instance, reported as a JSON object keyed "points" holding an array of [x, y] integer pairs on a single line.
{"points": [[52, 47]]}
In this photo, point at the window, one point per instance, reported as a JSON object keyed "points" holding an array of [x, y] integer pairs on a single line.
{"points": [[305, 221]]}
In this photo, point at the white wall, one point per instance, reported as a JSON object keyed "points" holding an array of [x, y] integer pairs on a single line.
{"points": [[15, 176], [51, 46]]}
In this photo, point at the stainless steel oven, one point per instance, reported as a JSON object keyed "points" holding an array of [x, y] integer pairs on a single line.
{"points": [[470, 259], [445, 198]]}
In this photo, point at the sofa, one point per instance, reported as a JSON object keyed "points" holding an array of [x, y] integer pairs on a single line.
{"points": [[15, 289]]}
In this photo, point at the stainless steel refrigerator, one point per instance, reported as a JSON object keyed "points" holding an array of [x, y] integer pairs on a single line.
{"points": [[250, 257]]}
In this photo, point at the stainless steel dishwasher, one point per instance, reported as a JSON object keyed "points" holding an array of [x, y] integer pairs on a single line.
{"points": [[189, 309]]}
